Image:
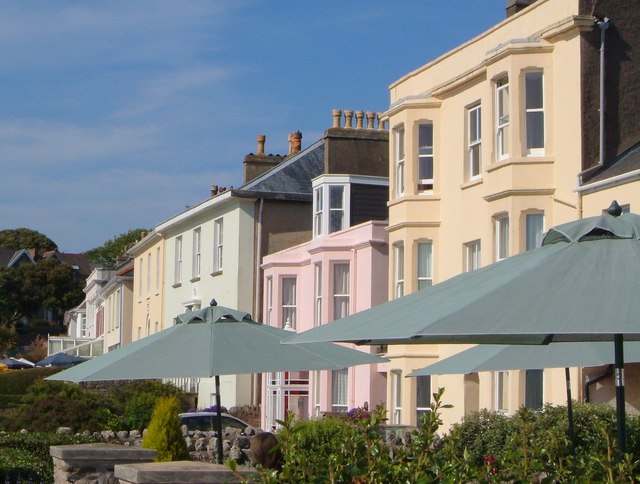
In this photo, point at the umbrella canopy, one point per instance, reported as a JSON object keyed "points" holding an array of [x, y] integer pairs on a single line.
{"points": [[529, 357], [581, 285], [61, 360], [213, 341], [16, 363]]}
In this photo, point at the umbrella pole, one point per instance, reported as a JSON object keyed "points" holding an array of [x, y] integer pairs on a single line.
{"points": [[620, 401], [218, 421], [572, 437]]}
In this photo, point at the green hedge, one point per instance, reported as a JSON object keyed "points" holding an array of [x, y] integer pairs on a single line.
{"points": [[27, 455]]}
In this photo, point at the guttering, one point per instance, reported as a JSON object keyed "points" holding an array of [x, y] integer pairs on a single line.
{"points": [[610, 182]]}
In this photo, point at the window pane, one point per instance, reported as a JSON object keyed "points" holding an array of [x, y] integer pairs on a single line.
{"points": [[533, 88], [340, 291], [336, 196], [289, 301], [425, 265], [339, 385], [535, 228], [535, 129], [423, 391], [425, 139]]}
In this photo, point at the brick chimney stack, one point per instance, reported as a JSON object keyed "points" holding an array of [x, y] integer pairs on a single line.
{"points": [[295, 142]]}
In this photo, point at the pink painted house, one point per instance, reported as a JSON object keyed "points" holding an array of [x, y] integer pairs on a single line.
{"points": [[342, 270]]}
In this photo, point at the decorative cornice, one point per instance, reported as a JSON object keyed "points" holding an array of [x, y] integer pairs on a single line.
{"points": [[409, 224], [522, 192]]}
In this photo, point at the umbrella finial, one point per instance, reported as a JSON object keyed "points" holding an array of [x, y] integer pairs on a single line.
{"points": [[614, 209], [213, 303]]}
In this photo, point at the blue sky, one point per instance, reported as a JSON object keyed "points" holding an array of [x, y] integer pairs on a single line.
{"points": [[117, 115]]}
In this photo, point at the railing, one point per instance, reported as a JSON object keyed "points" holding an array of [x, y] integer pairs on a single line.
{"points": [[75, 346], [187, 385]]}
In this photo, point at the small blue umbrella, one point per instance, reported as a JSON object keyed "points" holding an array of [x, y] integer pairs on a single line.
{"points": [[61, 360]]}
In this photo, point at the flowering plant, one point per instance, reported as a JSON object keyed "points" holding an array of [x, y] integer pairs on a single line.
{"points": [[212, 408], [359, 413]]}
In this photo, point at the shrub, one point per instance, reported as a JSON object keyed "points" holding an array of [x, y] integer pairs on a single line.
{"points": [[164, 433], [28, 455], [138, 410]]}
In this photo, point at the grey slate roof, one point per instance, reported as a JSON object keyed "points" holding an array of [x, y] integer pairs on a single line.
{"points": [[292, 176], [627, 162]]}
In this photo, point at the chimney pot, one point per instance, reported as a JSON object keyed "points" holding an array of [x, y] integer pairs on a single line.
{"points": [[359, 118], [337, 116], [370, 119], [348, 118], [261, 139]]}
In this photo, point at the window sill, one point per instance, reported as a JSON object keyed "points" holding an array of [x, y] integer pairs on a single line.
{"points": [[471, 183], [176, 284], [194, 279], [216, 273]]}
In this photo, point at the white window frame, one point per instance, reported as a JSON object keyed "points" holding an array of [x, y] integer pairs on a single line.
{"points": [[318, 211], [473, 252], [177, 273], [533, 240], [148, 275], [218, 244], [140, 278], [398, 270], [158, 266], [341, 297], [501, 393], [425, 155], [317, 391], [396, 397], [502, 236], [289, 308], [426, 408], [340, 390], [533, 112], [399, 143], [474, 141], [269, 301], [340, 210], [197, 256], [425, 271], [502, 118], [317, 278]]}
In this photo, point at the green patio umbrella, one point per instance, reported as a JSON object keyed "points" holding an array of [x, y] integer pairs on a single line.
{"points": [[211, 342], [490, 357], [581, 285]]}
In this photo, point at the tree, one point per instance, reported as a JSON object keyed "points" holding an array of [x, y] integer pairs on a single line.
{"points": [[23, 238], [164, 433], [29, 288], [105, 256]]}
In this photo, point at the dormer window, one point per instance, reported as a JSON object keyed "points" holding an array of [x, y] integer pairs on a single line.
{"points": [[330, 203]]}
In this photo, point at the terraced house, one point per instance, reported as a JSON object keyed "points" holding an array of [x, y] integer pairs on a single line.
{"points": [[528, 125]]}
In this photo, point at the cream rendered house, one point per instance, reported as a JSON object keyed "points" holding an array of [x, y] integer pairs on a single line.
{"points": [[208, 256], [148, 260], [490, 145]]}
